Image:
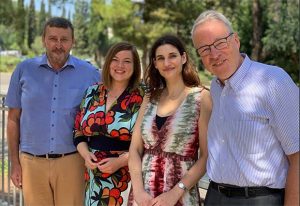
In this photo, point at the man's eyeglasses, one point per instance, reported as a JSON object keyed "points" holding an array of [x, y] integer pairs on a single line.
{"points": [[219, 44]]}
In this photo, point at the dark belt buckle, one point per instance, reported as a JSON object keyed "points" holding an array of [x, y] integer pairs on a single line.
{"points": [[220, 187], [53, 156], [224, 190]]}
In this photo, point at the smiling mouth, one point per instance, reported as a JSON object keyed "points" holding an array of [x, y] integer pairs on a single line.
{"points": [[219, 63], [119, 71], [168, 69]]}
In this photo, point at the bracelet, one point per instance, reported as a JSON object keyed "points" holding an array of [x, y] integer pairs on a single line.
{"points": [[182, 186]]}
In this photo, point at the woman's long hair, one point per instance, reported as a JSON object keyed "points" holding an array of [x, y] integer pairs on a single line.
{"points": [[155, 82]]}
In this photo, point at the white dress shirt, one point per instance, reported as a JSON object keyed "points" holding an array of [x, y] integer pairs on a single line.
{"points": [[253, 126]]}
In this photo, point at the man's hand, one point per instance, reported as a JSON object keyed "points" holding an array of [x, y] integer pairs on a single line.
{"points": [[16, 175]]}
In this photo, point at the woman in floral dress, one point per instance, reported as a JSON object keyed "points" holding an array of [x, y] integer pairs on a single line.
{"points": [[171, 128], [104, 125]]}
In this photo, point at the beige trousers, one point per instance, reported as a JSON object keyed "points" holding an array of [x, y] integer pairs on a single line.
{"points": [[53, 182]]}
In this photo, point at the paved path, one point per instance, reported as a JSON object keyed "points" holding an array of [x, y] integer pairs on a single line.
{"points": [[4, 82]]}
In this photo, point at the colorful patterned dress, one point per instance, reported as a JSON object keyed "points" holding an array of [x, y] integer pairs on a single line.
{"points": [[108, 134], [173, 149]]}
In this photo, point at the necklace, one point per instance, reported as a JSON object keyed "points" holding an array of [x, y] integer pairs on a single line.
{"points": [[175, 95]]}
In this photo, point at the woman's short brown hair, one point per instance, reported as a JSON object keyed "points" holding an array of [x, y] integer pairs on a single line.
{"points": [[135, 79]]}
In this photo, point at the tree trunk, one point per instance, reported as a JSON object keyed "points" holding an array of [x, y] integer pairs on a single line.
{"points": [[98, 58], [257, 30]]}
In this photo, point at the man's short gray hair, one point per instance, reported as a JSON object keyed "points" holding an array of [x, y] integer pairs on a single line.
{"points": [[210, 15]]}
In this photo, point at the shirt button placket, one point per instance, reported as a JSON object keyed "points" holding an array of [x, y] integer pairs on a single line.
{"points": [[53, 117]]}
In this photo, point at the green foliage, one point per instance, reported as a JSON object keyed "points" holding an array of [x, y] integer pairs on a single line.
{"points": [[37, 47], [49, 13], [100, 23], [42, 16], [8, 63], [243, 25], [31, 24], [60, 2], [205, 78], [81, 18], [97, 31], [63, 14], [7, 37], [5, 166], [6, 12], [20, 23], [281, 39]]}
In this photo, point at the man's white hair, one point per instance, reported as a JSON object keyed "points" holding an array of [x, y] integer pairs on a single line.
{"points": [[211, 15]]}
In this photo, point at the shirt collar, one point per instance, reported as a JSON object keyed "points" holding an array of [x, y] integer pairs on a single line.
{"points": [[237, 78], [69, 63]]}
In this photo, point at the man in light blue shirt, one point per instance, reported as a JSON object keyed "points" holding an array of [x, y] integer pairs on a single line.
{"points": [[43, 97], [253, 133]]}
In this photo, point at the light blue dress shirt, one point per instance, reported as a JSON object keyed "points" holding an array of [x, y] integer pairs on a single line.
{"points": [[253, 126], [49, 100]]}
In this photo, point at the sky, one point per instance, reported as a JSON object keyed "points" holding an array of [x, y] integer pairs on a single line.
{"points": [[54, 9]]}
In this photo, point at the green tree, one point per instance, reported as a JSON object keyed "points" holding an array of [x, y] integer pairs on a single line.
{"points": [[42, 18], [60, 3], [6, 12], [49, 13], [20, 23], [37, 47], [98, 30], [69, 15], [31, 24], [257, 30], [7, 38], [176, 17], [281, 38], [7, 35], [63, 13], [81, 18], [242, 23]]}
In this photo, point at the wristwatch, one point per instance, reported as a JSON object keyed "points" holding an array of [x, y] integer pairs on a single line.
{"points": [[182, 186]]}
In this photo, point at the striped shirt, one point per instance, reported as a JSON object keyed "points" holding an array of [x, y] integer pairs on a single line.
{"points": [[253, 126]]}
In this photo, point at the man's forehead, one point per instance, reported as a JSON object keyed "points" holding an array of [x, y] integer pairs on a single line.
{"points": [[53, 30]]}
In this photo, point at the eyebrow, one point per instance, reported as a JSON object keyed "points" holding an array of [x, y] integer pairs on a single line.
{"points": [[127, 58], [160, 55]]}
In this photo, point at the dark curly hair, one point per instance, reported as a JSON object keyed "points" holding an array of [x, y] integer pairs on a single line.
{"points": [[155, 82]]}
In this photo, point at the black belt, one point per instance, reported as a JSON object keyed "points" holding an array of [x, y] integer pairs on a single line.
{"points": [[232, 191], [50, 156]]}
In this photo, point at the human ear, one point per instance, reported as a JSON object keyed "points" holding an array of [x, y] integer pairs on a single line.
{"points": [[183, 57]]}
